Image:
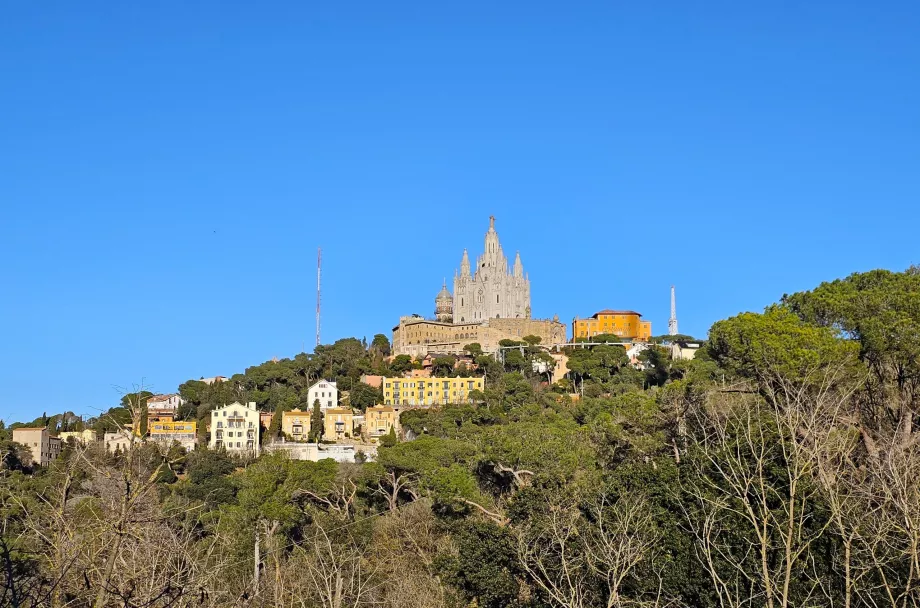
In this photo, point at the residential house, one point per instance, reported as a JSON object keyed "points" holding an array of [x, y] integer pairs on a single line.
{"points": [[43, 447], [164, 404], [86, 436], [120, 440], [379, 420], [326, 392], [313, 451], [338, 424], [429, 391], [164, 433], [296, 424], [265, 419], [372, 381], [684, 350], [235, 428]]}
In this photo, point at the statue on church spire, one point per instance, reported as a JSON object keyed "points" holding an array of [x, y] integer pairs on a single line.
{"points": [[465, 265]]}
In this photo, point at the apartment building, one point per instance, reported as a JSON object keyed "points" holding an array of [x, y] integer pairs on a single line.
{"points": [[235, 428]]}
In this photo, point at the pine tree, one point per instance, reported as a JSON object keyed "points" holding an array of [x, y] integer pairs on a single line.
{"points": [[316, 423]]}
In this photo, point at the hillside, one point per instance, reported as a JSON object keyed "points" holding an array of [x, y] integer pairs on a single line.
{"points": [[779, 467]]}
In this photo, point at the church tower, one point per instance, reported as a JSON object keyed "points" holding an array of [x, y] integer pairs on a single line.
{"points": [[444, 305], [491, 290]]}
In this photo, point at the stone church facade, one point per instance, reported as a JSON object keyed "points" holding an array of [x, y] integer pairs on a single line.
{"points": [[490, 303], [491, 290]]}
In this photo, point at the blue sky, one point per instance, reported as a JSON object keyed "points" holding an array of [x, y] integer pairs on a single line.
{"points": [[167, 170]]}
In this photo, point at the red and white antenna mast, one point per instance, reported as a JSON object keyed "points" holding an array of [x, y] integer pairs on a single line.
{"points": [[319, 264]]}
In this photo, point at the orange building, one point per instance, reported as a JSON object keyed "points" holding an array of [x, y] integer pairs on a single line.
{"points": [[625, 324]]}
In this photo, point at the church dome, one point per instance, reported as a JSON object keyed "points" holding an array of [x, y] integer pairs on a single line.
{"points": [[444, 305]]}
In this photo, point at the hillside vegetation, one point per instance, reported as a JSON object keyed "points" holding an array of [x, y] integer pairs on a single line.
{"points": [[779, 468]]}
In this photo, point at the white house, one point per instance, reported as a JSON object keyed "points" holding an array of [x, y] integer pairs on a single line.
{"points": [[164, 403], [120, 440], [326, 392], [235, 428], [313, 451], [684, 350]]}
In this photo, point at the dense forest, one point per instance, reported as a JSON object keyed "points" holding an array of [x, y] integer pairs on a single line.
{"points": [[779, 468]]}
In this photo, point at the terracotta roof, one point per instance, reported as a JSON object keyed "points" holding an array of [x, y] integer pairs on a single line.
{"points": [[607, 311]]}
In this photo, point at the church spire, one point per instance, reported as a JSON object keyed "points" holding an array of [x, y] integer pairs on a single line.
{"points": [[518, 266], [493, 256], [465, 265]]}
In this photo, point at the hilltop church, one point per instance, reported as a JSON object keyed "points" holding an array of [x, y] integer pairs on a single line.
{"points": [[489, 303]]}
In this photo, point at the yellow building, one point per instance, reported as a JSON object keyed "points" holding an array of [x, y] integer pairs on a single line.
{"points": [[378, 421], [84, 437], [296, 424], [186, 433], [429, 391], [339, 424], [626, 324]]}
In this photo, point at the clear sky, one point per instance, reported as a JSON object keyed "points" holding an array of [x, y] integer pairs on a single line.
{"points": [[168, 170]]}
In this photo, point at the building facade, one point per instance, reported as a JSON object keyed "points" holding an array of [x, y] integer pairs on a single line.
{"points": [[326, 392], [164, 433], [120, 440], [86, 436], [338, 424], [378, 421], [417, 337], [625, 324], [235, 428], [490, 290], [491, 302], [313, 451], [165, 404], [43, 447], [296, 424], [429, 391]]}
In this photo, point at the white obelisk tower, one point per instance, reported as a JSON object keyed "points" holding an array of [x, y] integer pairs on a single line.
{"points": [[672, 322]]}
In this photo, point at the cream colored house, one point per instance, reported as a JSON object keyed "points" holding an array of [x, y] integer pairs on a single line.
{"points": [[43, 447], [339, 424], [296, 424], [84, 437], [379, 420], [235, 428]]}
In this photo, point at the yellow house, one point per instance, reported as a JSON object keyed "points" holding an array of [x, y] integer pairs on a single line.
{"points": [[626, 324], [84, 437], [186, 433], [339, 424], [429, 391], [378, 421], [296, 424]]}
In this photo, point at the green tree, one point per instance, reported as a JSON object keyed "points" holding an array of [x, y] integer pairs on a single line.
{"points": [[401, 364], [532, 340], [388, 440], [441, 367], [361, 396], [474, 349], [316, 422], [381, 345]]}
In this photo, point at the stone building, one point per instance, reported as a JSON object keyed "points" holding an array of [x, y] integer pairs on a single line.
{"points": [[42, 446], [416, 336], [491, 291], [490, 303]]}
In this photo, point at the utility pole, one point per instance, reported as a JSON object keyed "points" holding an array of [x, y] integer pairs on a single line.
{"points": [[319, 264], [672, 322]]}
